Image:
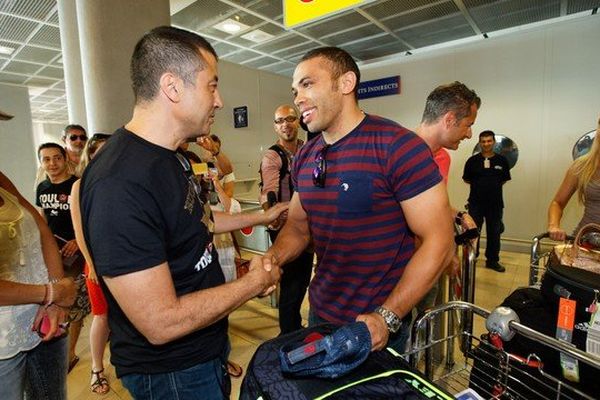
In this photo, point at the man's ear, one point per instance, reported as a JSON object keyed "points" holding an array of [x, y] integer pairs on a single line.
{"points": [[171, 86], [449, 119], [348, 82]]}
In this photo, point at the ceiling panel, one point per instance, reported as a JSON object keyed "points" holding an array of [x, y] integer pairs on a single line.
{"points": [[346, 20], [37, 54], [36, 9], [22, 67], [12, 78], [506, 14], [52, 72], [47, 36], [380, 28]]}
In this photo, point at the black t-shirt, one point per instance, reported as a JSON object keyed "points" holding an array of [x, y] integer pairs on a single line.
{"points": [[54, 200], [486, 183], [140, 209]]}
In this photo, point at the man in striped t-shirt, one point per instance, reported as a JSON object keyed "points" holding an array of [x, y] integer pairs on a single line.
{"points": [[365, 189]]}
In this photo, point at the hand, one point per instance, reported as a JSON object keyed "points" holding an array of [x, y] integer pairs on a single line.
{"points": [[64, 292], [557, 234], [269, 273], [92, 276], [206, 142], [377, 328], [273, 213], [56, 315], [69, 249], [467, 222]]}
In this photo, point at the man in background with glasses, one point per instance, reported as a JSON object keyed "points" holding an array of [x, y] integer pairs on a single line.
{"points": [[366, 189], [275, 171], [74, 137]]}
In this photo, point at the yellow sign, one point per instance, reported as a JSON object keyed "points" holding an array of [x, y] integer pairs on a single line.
{"points": [[296, 12]]}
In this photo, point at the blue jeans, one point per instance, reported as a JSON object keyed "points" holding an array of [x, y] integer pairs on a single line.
{"points": [[40, 373], [205, 381], [396, 341]]}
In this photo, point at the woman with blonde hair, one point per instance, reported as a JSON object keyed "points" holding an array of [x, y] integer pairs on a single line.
{"points": [[584, 177], [99, 329]]}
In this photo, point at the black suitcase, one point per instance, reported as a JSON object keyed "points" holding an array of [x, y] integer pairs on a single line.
{"points": [[538, 314], [382, 376], [575, 283]]}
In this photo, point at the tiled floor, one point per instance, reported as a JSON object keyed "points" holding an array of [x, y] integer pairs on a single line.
{"points": [[256, 322]]}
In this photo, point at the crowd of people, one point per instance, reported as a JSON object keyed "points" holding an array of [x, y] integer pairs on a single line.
{"points": [[137, 229]]}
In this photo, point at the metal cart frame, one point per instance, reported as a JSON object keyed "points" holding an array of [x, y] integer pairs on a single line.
{"points": [[454, 374], [539, 258]]}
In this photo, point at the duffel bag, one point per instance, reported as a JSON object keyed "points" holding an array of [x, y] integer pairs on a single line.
{"points": [[383, 375]]}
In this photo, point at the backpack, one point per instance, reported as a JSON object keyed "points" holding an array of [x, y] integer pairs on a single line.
{"points": [[283, 171], [383, 375]]}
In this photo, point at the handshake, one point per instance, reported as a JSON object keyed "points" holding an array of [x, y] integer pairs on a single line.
{"points": [[265, 271]]}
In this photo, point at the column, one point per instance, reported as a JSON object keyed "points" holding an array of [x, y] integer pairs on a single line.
{"points": [[108, 32], [69, 37]]}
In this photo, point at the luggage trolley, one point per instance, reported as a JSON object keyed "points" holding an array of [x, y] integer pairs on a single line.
{"points": [[484, 366], [539, 257]]}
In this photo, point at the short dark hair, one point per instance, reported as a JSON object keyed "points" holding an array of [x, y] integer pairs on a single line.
{"points": [[487, 133], [340, 60], [166, 49], [52, 145], [73, 127], [455, 97]]}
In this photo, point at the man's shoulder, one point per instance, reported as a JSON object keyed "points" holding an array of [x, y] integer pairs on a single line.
{"points": [[43, 185]]}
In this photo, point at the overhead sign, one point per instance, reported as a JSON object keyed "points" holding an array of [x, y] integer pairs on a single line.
{"points": [[379, 87], [297, 12]]}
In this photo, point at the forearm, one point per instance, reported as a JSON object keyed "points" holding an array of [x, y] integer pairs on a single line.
{"points": [[291, 242], [13, 293], [228, 223], [172, 317], [422, 271], [555, 212], [203, 308]]}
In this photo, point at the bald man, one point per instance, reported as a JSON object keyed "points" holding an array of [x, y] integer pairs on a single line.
{"points": [[275, 170]]}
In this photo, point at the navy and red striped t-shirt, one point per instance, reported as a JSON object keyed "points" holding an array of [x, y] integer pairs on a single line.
{"points": [[361, 237]]}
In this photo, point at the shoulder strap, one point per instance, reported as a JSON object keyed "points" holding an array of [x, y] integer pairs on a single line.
{"points": [[284, 170]]}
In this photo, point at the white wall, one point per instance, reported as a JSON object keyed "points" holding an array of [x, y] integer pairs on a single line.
{"points": [[262, 93], [539, 87], [47, 132], [17, 152]]}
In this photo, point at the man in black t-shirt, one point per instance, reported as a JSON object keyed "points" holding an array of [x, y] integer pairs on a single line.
{"points": [[53, 198], [150, 234], [487, 172]]}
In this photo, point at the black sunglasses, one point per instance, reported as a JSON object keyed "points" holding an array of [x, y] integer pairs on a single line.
{"points": [[289, 118], [320, 171], [73, 138]]}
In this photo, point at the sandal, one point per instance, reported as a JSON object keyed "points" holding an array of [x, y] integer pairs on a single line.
{"points": [[234, 370], [73, 363], [100, 385]]}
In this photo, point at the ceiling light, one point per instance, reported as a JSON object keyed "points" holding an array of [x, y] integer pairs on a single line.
{"points": [[230, 26], [257, 36], [6, 50]]}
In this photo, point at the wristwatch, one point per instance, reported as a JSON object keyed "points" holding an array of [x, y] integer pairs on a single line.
{"points": [[392, 320]]}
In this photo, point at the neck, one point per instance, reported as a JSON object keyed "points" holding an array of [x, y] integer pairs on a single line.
{"points": [[345, 123], [59, 178], [429, 135], [74, 156], [154, 125], [488, 154], [290, 146]]}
